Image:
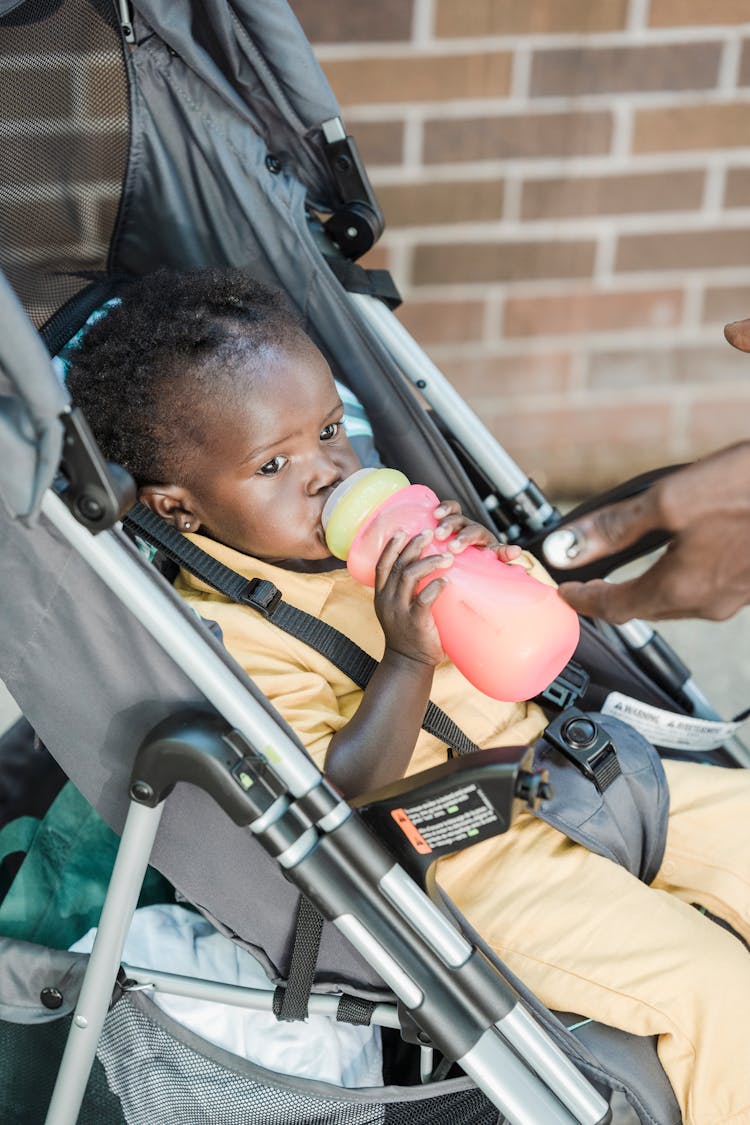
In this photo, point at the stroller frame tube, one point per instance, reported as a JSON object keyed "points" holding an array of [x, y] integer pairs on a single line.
{"points": [[429, 380], [520, 1093], [101, 974]]}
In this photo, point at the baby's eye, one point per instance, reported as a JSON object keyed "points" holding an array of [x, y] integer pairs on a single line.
{"points": [[329, 432], [274, 466]]}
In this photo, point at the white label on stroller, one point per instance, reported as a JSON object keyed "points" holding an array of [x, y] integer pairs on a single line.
{"points": [[665, 728]]}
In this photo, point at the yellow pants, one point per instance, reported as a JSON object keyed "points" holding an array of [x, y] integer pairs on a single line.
{"points": [[588, 937]]}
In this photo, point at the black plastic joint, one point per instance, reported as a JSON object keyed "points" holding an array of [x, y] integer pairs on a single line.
{"points": [[568, 687]]}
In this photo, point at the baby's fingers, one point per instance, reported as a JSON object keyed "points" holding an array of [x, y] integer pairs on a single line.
{"points": [[429, 594]]}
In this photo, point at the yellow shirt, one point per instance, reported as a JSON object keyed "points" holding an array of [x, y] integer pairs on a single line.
{"points": [[313, 695]]}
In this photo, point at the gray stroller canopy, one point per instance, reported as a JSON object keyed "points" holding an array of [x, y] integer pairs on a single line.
{"points": [[217, 140]]}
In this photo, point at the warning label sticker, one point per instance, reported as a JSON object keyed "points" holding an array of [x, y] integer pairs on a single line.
{"points": [[447, 820]]}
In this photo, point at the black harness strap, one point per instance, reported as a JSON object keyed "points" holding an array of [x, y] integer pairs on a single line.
{"points": [[262, 596]]}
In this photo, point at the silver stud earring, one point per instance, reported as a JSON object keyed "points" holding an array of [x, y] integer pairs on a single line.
{"points": [[187, 527]]}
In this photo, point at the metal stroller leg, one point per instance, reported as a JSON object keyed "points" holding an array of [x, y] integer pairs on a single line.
{"points": [[96, 992]]}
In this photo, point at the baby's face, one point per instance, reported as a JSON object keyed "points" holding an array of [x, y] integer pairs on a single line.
{"points": [[268, 462]]}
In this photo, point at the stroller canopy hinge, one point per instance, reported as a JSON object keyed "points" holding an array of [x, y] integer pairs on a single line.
{"points": [[97, 492], [358, 223]]}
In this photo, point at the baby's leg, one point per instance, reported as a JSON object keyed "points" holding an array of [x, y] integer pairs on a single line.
{"points": [[707, 858], [588, 937]]}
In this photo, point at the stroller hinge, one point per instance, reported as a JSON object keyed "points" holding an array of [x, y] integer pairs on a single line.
{"points": [[98, 493], [358, 223], [126, 20]]}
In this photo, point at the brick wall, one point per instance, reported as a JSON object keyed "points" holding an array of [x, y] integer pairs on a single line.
{"points": [[566, 185]]}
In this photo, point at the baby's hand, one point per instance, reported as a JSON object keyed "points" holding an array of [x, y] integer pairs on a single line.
{"points": [[403, 612], [452, 521]]}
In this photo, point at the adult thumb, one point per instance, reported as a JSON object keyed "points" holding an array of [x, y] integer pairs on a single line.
{"points": [[598, 534], [738, 334]]}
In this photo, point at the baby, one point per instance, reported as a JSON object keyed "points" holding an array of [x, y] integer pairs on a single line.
{"points": [[206, 388]]}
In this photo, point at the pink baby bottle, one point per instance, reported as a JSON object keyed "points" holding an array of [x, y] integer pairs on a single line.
{"points": [[508, 633]]}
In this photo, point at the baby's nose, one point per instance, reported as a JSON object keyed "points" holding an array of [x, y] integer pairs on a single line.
{"points": [[324, 477]]}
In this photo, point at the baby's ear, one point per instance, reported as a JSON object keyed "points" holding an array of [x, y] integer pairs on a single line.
{"points": [[172, 503]]}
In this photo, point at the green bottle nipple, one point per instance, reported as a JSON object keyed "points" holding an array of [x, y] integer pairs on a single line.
{"points": [[352, 501]]}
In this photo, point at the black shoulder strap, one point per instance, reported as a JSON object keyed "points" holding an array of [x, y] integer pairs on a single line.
{"points": [[265, 598]]}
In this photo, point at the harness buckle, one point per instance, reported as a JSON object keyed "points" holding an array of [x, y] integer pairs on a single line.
{"points": [[567, 687]]}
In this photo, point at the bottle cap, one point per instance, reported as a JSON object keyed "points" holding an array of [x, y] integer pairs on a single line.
{"points": [[352, 501]]}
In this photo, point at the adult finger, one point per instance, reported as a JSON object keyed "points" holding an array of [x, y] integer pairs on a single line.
{"points": [[738, 334], [601, 533], [656, 595], [612, 602]]}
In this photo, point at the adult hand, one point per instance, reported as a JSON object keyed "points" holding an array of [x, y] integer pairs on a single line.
{"points": [[705, 570]]}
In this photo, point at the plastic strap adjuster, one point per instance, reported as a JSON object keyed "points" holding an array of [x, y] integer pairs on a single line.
{"points": [[568, 687], [584, 743], [261, 595]]}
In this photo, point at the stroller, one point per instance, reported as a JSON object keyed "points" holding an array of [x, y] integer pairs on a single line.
{"points": [[190, 134]]}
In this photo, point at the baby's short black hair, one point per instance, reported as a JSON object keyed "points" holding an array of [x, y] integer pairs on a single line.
{"points": [[143, 372]]}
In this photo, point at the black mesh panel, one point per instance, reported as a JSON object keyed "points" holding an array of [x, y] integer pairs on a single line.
{"points": [[63, 146]]}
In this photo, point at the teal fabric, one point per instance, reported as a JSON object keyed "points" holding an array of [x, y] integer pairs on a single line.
{"points": [[58, 892]]}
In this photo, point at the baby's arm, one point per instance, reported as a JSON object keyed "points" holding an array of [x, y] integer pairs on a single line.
{"points": [[376, 745]]}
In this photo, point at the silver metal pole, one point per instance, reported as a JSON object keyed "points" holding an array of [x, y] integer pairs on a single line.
{"points": [[96, 992], [545, 1057], [474, 436], [256, 999], [517, 1093], [638, 635]]}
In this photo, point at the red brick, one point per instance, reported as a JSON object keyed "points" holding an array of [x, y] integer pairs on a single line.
{"points": [[744, 75], [591, 312], [517, 135], [501, 261], [407, 205], [379, 142], [675, 128], [379, 258], [519, 17], [599, 70], [611, 195], [737, 193], [689, 13], [632, 370], [420, 78], [724, 303], [490, 379], [678, 250], [719, 420], [442, 322], [341, 21], [583, 447]]}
